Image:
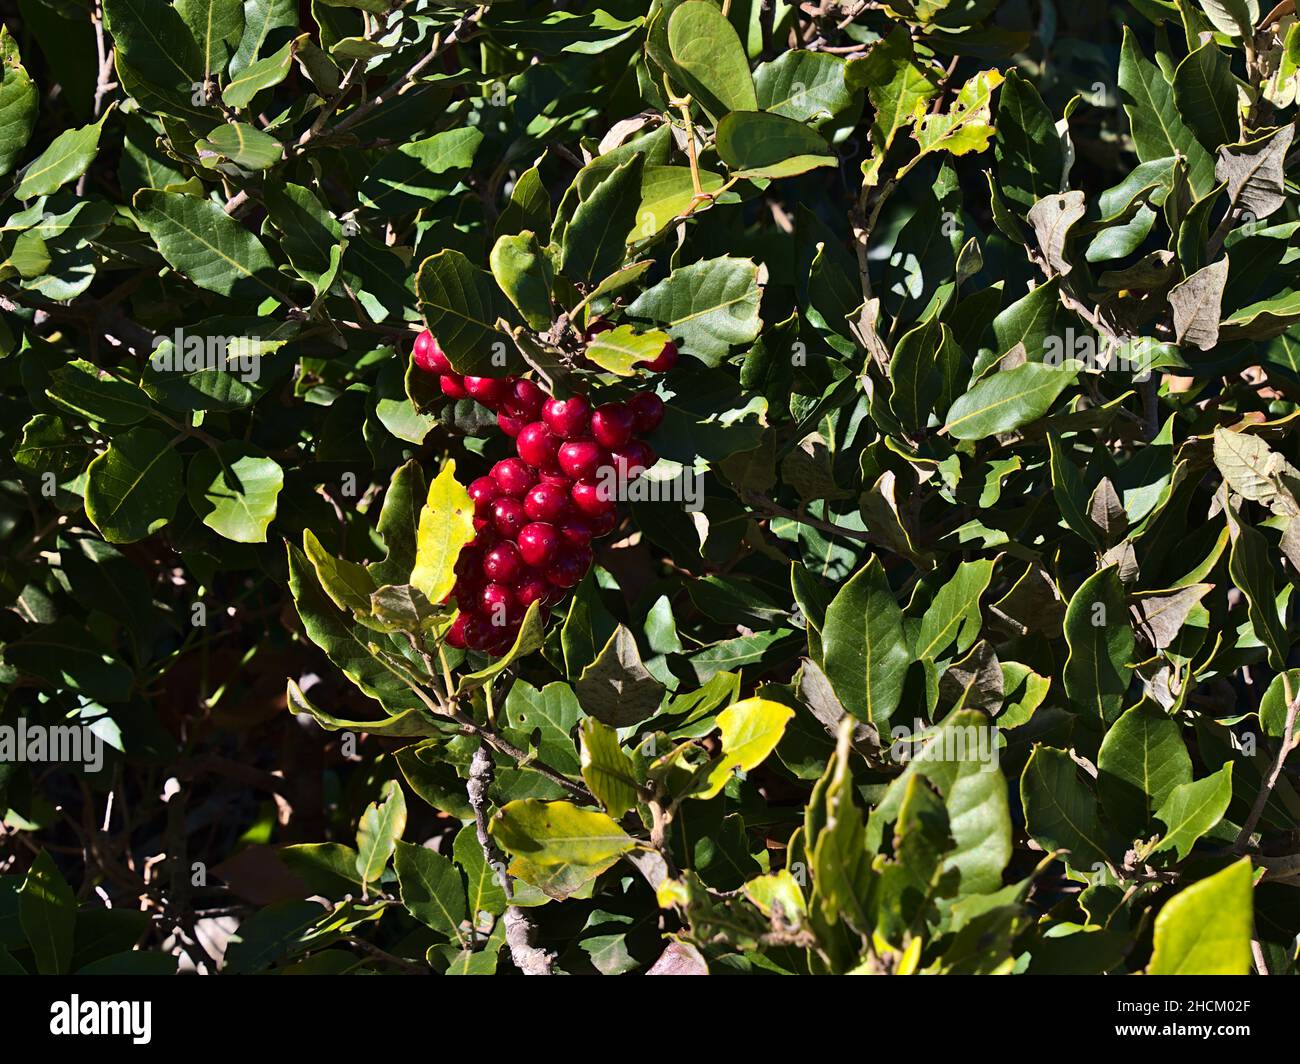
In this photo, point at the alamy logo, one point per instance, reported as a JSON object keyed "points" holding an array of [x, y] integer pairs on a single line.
{"points": [[63, 744], [186, 353], [77, 1017], [685, 489]]}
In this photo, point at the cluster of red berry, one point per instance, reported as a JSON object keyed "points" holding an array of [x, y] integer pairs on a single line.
{"points": [[536, 514]]}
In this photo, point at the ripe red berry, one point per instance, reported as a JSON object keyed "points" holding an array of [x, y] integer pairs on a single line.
{"points": [[513, 476], [600, 325], [482, 491], [456, 633], [502, 563], [481, 523], [567, 418], [546, 502], [647, 412], [470, 560], [634, 459], [479, 633], [428, 355], [592, 497], [666, 360], [582, 459], [524, 400], [511, 426], [496, 603], [538, 543], [569, 567], [532, 588], [537, 446], [453, 386], [603, 524], [508, 516], [577, 530], [489, 391], [612, 425]]}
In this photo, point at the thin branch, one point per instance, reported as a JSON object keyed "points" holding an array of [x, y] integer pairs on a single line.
{"points": [[1288, 744]]}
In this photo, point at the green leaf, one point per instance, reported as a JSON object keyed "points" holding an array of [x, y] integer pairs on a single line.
{"points": [[410, 723], [755, 144], [309, 233], [621, 350], [595, 240], [83, 389], [431, 887], [954, 613], [379, 831], [1158, 129], [156, 55], [1236, 18], [49, 444], [551, 715], [1008, 400], [750, 731], [616, 688], [524, 275], [257, 77], [1193, 808], [810, 87], [1274, 705], [899, 88], [399, 523], [446, 525], [234, 490], [47, 911], [1251, 569], [530, 637], [133, 487], [705, 46], [1028, 148], [265, 21], [1101, 643], [243, 145], [217, 27], [865, 650], [1205, 929], [706, 307], [412, 176], [461, 306], [199, 240], [606, 769], [1206, 94], [64, 160], [1061, 811], [1141, 761], [17, 102]]}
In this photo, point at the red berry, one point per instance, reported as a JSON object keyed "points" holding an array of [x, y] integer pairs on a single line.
{"points": [[453, 386], [582, 459], [647, 412], [612, 425], [546, 501], [496, 603], [577, 530], [532, 588], [600, 325], [456, 633], [568, 418], [667, 359], [513, 477], [634, 459], [603, 524], [508, 516], [592, 497], [428, 355], [524, 400], [511, 426], [481, 523], [470, 560], [537, 445], [538, 543], [479, 633], [569, 567], [489, 391], [482, 491], [502, 563]]}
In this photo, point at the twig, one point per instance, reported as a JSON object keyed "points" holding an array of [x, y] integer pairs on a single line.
{"points": [[528, 958], [775, 510]]}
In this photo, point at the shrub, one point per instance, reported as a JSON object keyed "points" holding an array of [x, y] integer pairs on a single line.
{"points": [[838, 518]]}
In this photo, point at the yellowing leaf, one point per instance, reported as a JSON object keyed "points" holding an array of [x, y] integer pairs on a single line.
{"points": [[446, 525], [750, 731], [1205, 929]]}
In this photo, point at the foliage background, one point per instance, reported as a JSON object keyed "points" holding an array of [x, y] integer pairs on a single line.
{"points": [[875, 231]]}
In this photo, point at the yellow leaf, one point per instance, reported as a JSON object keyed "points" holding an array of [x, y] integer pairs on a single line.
{"points": [[446, 525]]}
